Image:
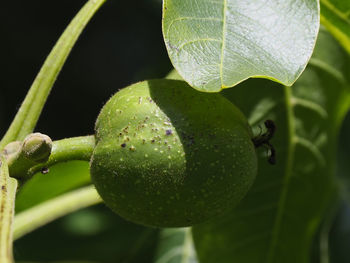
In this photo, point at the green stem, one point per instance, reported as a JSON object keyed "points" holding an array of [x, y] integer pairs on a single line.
{"points": [[29, 112], [48, 211], [77, 148], [8, 188], [21, 156]]}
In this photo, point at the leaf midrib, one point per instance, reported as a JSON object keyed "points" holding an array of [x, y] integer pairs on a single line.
{"points": [[288, 173], [223, 43]]}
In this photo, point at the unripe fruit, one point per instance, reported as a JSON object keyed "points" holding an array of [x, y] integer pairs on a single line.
{"points": [[167, 155]]}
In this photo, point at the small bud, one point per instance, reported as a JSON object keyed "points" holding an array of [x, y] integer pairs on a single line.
{"points": [[37, 147]]}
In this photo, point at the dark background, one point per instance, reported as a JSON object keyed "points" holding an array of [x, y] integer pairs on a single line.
{"points": [[121, 45]]}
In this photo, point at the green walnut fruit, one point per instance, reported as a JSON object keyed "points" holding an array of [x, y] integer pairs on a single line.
{"points": [[167, 155]]}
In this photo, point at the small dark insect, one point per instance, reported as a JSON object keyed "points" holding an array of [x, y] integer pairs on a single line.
{"points": [[272, 156], [264, 140], [44, 170], [168, 132], [123, 145], [271, 127]]}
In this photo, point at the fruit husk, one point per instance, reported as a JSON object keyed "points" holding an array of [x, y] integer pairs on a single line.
{"points": [[167, 155]]}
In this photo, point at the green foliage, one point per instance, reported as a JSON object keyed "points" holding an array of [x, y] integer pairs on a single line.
{"points": [[62, 178], [176, 246], [158, 162], [284, 207], [213, 44], [335, 15], [217, 44]]}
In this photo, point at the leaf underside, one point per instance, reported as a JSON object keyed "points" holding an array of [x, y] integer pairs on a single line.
{"points": [[175, 246], [277, 220], [216, 44]]}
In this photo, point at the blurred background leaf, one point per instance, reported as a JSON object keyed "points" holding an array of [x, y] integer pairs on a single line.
{"points": [[339, 231], [335, 15], [339, 236], [92, 234], [277, 220], [61, 178]]}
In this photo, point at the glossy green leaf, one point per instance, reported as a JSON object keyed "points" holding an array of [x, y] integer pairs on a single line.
{"points": [[62, 177], [217, 44], [277, 220], [176, 246], [335, 15]]}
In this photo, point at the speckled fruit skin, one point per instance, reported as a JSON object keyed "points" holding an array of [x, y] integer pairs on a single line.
{"points": [[167, 155]]}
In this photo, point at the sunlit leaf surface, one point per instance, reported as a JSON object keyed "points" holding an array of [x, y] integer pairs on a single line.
{"points": [[216, 44]]}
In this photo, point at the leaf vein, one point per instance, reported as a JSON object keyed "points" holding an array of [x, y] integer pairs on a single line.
{"points": [[215, 19], [311, 106], [288, 173], [312, 148], [329, 69], [223, 43], [336, 11], [198, 40]]}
